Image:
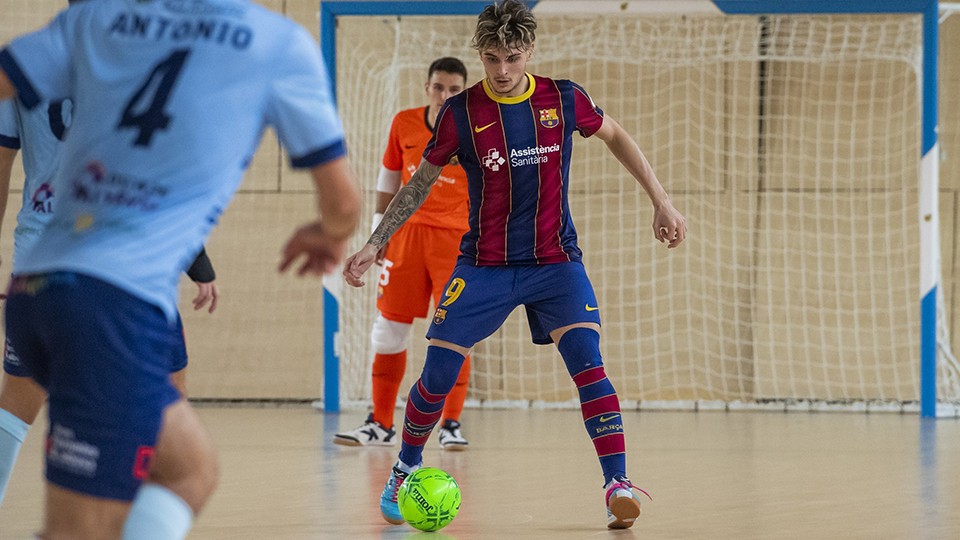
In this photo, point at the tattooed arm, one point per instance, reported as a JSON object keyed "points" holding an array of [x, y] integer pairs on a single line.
{"points": [[403, 205], [405, 202]]}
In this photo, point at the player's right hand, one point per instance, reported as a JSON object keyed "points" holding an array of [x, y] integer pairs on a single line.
{"points": [[321, 252], [358, 263], [206, 293]]}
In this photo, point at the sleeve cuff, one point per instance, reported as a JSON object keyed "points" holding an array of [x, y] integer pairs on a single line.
{"points": [[12, 143], [321, 156], [201, 271]]}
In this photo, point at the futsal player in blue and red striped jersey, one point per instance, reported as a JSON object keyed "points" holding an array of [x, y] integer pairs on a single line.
{"points": [[513, 135]]}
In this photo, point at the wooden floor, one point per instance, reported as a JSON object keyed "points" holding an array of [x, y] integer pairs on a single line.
{"points": [[533, 474]]}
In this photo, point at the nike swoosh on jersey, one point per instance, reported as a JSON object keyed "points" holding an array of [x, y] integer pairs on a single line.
{"points": [[608, 418], [588, 308], [478, 129]]}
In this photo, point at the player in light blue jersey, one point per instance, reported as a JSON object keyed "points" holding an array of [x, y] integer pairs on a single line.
{"points": [[171, 99], [39, 132]]}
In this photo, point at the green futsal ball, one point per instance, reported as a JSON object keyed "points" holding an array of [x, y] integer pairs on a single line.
{"points": [[429, 499]]}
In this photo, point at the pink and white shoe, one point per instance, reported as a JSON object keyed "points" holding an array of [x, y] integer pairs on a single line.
{"points": [[623, 503]]}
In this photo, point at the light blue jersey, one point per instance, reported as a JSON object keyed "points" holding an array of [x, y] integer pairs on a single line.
{"points": [[171, 99], [39, 132]]}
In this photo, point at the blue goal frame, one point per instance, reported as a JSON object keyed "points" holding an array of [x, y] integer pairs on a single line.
{"points": [[929, 180]]}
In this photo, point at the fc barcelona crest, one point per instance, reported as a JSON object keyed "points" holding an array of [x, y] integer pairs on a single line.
{"points": [[549, 118], [439, 316]]}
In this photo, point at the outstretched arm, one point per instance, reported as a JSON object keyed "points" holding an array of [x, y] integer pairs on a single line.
{"points": [[668, 224], [321, 243], [403, 205]]}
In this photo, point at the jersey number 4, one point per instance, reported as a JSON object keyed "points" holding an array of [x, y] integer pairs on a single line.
{"points": [[150, 117]]}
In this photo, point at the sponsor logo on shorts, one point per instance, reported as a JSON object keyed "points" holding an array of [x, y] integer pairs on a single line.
{"points": [[66, 451], [588, 307], [10, 355]]}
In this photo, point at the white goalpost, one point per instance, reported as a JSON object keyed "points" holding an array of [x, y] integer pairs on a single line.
{"points": [[797, 137]]}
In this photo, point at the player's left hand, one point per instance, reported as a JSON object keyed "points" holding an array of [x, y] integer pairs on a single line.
{"points": [[206, 293], [669, 225], [321, 252]]}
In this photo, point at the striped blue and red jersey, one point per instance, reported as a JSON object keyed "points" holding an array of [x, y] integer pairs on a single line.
{"points": [[516, 153]]}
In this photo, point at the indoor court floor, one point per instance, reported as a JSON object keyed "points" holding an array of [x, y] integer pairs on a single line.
{"points": [[532, 474]]}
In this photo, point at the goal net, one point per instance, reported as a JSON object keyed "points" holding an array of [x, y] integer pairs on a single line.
{"points": [[792, 146]]}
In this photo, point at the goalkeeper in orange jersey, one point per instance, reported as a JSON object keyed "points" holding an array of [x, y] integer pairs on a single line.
{"points": [[417, 262]]}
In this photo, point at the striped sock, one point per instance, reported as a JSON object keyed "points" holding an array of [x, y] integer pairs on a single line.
{"points": [[580, 348], [601, 416], [425, 402]]}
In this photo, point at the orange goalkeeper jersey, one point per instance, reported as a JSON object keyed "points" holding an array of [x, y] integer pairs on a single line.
{"points": [[447, 207]]}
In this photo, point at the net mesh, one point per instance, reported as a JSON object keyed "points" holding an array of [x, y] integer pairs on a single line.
{"points": [[791, 144]]}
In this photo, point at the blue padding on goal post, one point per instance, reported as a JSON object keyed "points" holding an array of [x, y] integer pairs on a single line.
{"points": [[331, 358], [928, 355]]}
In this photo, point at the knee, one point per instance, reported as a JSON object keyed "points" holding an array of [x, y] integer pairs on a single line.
{"points": [[196, 482], [186, 459], [441, 370], [580, 349], [389, 337]]}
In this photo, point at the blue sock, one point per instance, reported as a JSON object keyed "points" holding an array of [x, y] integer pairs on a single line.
{"points": [[425, 401], [157, 514], [12, 432]]}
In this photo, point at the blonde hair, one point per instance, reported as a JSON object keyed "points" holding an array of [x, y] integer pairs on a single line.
{"points": [[507, 25]]}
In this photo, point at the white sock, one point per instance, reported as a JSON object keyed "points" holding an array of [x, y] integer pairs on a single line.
{"points": [[157, 514], [407, 468], [12, 432]]}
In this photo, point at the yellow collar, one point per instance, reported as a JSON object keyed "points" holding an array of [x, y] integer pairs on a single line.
{"points": [[511, 100]]}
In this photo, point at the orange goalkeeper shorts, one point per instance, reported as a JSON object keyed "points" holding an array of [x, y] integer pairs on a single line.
{"points": [[418, 263]]}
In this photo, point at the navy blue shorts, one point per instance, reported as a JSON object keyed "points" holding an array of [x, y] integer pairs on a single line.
{"points": [[478, 299], [179, 359], [13, 365], [11, 360], [103, 356]]}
